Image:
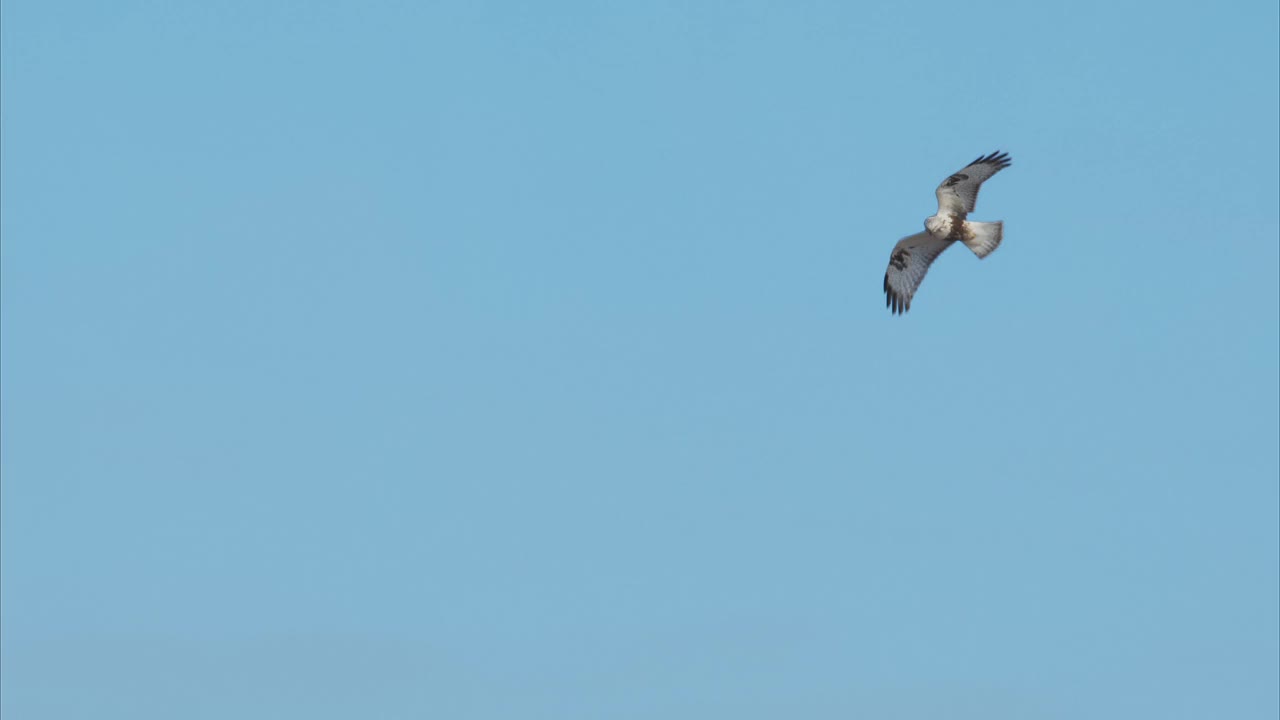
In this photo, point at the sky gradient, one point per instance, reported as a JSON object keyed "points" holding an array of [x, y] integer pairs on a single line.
{"points": [[490, 360]]}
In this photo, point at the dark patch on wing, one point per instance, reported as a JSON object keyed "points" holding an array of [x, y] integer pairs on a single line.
{"points": [[955, 179], [899, 259]]}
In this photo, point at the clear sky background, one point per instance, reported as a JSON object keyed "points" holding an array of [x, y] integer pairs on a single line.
{"points": [[490, 360]]}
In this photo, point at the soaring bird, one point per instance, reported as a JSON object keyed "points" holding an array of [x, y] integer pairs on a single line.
{"points": [[957, 195]]}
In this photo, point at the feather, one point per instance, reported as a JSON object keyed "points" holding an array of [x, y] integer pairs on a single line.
{"points": [[908, 264], [958, 194]]}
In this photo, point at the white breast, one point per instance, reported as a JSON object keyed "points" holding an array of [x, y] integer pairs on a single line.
{"points": [[938, 225]]}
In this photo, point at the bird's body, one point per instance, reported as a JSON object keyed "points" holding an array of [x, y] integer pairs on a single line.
{"points": [[957, 195], [943, 226]]}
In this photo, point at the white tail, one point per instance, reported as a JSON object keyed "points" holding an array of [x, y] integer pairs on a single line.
{"points": [[983, 237]]}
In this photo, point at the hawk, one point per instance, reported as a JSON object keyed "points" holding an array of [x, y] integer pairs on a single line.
{"points": [[957, 195]]}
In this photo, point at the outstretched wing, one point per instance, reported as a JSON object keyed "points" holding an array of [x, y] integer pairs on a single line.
{"points": [[908, 264], [959, 193]]}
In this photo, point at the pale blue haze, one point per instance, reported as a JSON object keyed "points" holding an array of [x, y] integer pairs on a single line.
{"points": [[480, 360]]}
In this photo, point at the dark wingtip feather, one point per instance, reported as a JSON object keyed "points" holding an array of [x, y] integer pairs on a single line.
{"points": [[998, 158], [895, 302]]}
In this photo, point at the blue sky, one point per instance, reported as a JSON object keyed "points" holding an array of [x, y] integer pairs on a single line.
{"points": [[491, 360]]}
